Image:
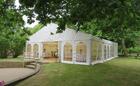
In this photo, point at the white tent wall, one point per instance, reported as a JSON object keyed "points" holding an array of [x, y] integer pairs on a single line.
{"points": [[111, 50], [77, 57], [103, 50]]}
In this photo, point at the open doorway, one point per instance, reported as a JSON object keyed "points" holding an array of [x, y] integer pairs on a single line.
{"points": [[50, 51]]}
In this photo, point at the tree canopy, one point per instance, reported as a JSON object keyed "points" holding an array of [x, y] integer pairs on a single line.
{"points": [[12, 32], [78, 12], [117, 20]]}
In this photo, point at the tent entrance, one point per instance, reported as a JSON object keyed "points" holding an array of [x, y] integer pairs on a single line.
{"points": [[50, 51]]}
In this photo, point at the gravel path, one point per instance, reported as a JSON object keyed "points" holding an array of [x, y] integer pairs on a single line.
{"points": [[10, 75]]}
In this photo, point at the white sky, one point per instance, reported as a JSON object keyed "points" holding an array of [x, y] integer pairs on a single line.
{"points": [[25, 17]]}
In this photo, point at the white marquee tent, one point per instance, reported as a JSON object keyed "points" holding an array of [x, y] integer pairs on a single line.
{"points": [[69, 46]]}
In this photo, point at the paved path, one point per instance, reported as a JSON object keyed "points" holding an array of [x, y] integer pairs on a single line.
{"points": [[10, 75]]}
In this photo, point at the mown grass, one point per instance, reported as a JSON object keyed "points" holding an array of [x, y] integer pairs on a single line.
{"points": [[10, 59], [117, 72]]}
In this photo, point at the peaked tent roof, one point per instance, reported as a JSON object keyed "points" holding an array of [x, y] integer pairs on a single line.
{"points": [[44, 34]]}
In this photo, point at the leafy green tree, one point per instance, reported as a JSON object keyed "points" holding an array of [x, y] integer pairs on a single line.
{"points": [[12, 33], [36, 28], [4, 47], [17, 43], [112, 19], [135, 49]]}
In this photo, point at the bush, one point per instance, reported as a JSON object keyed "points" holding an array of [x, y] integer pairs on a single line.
{"points": [[134, 50], [4, 47], [17, 45], [12, 45]]}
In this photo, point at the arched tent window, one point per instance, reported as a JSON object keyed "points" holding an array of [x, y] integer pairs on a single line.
{"points": [[112, 50], [36, 50], [99, 56], [96, 50], [81, 52], [29, 50], [67, 52]]}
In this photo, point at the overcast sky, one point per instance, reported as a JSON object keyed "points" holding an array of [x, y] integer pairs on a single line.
{"points": [[25, 17]]}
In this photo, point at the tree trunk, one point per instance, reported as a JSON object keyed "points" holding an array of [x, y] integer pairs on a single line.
{"points": [[124, 49]]}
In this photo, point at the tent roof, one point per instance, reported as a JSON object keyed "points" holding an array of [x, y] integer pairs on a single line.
{"points": [[45, 35]]}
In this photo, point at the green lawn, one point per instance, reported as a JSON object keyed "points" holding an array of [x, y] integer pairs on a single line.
{"points": [[117, 72], [19, 59]]}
